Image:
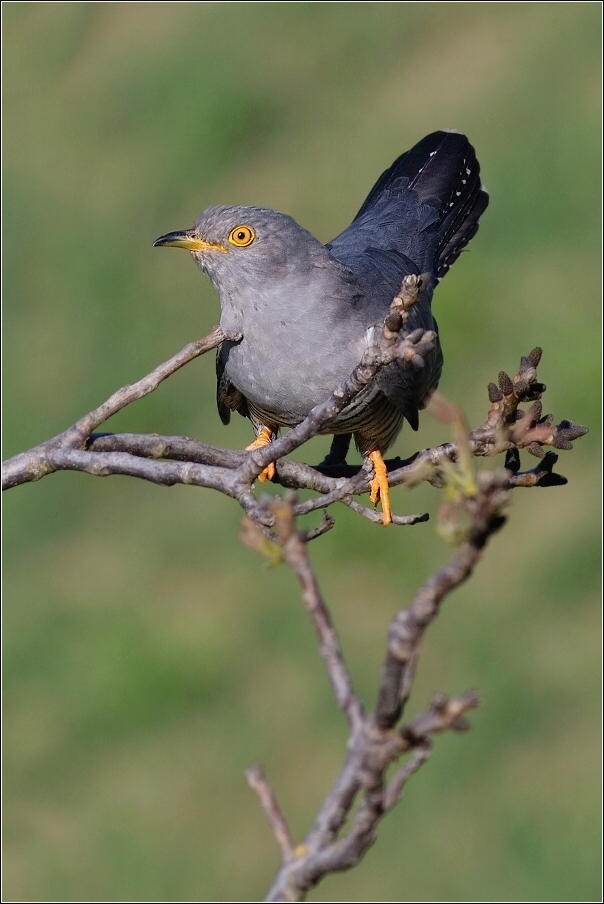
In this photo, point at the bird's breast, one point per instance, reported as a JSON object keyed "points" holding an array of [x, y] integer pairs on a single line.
{"points": [[290, 360]]}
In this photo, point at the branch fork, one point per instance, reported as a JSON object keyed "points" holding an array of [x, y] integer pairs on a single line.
{"points": [[339, 838]]}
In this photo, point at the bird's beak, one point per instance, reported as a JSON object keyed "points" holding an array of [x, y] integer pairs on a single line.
{"points": [[188, 240]]}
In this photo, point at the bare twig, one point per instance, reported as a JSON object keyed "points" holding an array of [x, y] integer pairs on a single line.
{"points": [[295, 553], [141, 388], [273, 812], [34, 464], [376, 517], [408, 626], [394, 788]]}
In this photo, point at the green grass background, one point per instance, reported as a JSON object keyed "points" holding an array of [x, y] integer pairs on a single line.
{"points": [[149, 656]]}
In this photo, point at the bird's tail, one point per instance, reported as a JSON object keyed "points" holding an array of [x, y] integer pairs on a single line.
{"points": [[432, 197]]}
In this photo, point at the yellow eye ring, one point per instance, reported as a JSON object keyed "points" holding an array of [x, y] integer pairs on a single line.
{"points": [[242, 236]]}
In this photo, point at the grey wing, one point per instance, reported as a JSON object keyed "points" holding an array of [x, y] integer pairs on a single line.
{"points": [[228, 397]]}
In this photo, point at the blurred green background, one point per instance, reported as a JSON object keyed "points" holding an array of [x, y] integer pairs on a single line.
{"points": [[149, 656]]}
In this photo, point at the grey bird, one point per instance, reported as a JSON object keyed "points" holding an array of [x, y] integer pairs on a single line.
{"points": [[298, 314]]}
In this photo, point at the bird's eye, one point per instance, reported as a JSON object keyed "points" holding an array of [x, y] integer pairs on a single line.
{"points": [[242, 236]]}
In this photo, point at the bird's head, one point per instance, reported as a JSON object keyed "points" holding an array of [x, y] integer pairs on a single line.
{"points": [[247, 247]]}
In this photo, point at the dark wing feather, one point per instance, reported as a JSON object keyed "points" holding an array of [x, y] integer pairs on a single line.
{"points": [[417, 218], [426, 206], [228, 397]]}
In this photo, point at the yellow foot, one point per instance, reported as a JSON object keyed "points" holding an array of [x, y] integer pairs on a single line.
{"points": [[263, 439], [379, 486]]}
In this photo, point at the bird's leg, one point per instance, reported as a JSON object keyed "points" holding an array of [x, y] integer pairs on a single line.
{"points": [[338, 451], [263, 439], [379, 485]]}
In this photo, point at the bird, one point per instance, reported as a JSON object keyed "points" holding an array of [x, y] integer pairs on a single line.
{"points": [[297, 315]]}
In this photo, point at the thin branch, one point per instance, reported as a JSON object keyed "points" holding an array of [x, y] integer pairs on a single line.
{"points": [[444, 713], [273, 812], [408, 626], [395, 786], [376, 517], [128, 394], [325, 524], [171, 448], [34, 464], [163, 473], [340, 493], [295, 553]]}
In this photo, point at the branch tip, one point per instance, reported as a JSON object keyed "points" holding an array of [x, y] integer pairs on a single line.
{"points": [[258, 783]]}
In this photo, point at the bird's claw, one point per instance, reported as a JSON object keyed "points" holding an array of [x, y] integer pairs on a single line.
{"points": [[267, 473], [380, 491], [263, 439]]}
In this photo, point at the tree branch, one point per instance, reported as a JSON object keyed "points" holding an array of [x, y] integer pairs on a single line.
{"points": [[374, 743], [169, 460], [341, 835], [295, 554], [34, 464], [261, 788]]}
